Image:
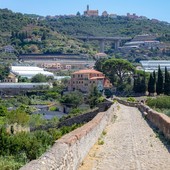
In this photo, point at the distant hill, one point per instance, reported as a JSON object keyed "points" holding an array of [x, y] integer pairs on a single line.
{"points": [[106, 26], [27, 35]]}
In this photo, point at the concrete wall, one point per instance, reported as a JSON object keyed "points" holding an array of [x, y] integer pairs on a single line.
{"points": [[158, 120], [68, 152]]}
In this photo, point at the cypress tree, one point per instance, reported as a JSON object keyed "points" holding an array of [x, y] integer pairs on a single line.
{"points": [[159, 83], [151, 83], [136, 85], [143, 85], [167, 82]]}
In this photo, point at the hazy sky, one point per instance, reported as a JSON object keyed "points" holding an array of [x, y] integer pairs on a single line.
{"points": [[159, 9]]}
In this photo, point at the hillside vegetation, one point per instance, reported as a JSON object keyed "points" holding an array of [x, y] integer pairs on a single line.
{"points": [[57, 35], [105, 26], [29, 36]]}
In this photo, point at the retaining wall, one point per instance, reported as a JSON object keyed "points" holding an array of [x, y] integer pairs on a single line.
{"points": [[158, 120], [68, 152]]}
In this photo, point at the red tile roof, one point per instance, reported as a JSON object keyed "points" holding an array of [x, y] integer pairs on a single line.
{"points": [[94, 78], [88, 71]]}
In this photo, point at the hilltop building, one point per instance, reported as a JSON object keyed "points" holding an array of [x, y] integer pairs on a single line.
{"points": [[84, 80], [11, 78], [105, 14], [132, 16], [91, 13]]}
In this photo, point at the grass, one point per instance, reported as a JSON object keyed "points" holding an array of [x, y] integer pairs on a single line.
{"points": [[104, 132], [100, 142], [101, 139]]}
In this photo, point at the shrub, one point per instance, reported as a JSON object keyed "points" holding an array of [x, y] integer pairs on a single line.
{"points": [[9, 163], [54, 108], [100, 142], [162, 102], [131, 99], [3, 110], [101, 99]]}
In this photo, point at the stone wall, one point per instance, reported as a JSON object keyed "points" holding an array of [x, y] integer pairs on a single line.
{"points": [[68, 152], [158, 120], [87, 116], [131, 104]]}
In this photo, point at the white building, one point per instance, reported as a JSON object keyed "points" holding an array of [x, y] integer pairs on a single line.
{"points": [[29, 71], [152, 65]]}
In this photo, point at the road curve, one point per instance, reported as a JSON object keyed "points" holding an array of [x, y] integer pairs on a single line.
{"points": [[130, 144]]}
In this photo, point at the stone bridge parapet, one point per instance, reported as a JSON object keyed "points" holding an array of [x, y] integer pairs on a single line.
{"points": [[69, 151], [158, 120]]}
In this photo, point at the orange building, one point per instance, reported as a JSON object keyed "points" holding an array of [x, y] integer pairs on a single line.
{"points": [[84, 80], [91, 13]]}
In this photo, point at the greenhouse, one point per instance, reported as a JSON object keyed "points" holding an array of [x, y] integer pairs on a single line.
{"points": [[29, 71], [152, 65]]}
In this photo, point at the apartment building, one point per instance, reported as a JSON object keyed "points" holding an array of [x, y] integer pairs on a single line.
{"points": [[85, 80]]}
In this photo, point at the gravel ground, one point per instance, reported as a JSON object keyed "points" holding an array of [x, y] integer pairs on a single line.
{"points": [[129, 144]]}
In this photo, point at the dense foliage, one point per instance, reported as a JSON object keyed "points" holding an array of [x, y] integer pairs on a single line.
{"points": [[162, 102], [106, 26], [72, 99], [22, 147], [27, 35]]}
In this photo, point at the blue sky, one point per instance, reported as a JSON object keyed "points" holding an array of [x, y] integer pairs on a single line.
{"points": [[159, 9]]}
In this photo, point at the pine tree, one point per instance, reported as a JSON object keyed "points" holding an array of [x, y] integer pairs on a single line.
{"points": [[159, 83], [167, 82]]}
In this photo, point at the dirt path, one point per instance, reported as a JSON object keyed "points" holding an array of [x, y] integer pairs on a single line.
{"points": [[130, 144]]}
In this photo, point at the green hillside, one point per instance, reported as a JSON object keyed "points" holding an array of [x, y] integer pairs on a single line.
{"points": [[29, 36], [57, 35], [106, 26]]}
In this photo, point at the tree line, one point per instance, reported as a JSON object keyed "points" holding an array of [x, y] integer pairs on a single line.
{"points": [[127, 79], [159, 83]]}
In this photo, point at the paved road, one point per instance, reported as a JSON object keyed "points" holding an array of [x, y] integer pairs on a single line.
{"points": [[130, 144]]}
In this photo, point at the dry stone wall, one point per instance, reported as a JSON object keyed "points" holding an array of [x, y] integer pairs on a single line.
{"points": [[68, 152]]}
